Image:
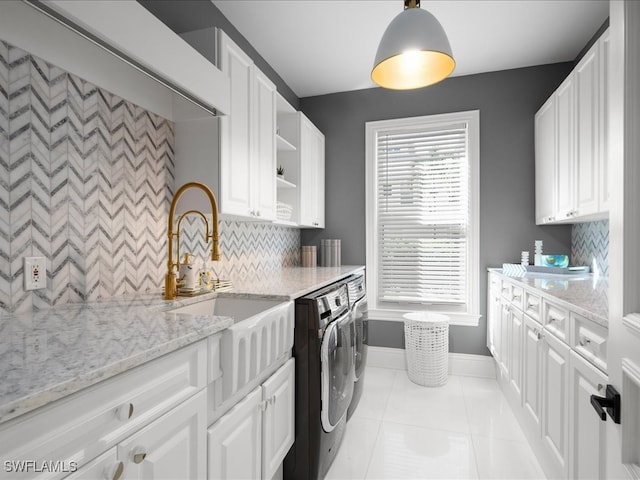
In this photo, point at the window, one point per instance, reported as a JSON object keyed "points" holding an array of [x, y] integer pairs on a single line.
{"points": [[422, 215]]}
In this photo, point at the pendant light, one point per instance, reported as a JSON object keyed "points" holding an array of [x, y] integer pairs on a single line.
{"points": [[414, 51]]}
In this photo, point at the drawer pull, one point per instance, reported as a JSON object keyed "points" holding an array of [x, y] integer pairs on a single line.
{"points": [[125, 412], [118, 470], [140, 456], [584, 342]]}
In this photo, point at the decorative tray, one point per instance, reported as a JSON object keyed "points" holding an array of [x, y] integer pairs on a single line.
{"points": [[515, 269]]}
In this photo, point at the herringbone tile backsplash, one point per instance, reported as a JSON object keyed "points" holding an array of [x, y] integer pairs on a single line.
{"points": [[86, 179], [590, 244]]}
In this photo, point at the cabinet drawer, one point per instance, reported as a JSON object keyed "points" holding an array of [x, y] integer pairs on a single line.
{"points": [[532, 305], [516, 296], [589, 340], [556, 320], [84, 425], [495, 284]]}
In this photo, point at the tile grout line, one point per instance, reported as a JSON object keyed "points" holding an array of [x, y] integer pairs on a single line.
{"points": [[380, 421], [466, 411]]}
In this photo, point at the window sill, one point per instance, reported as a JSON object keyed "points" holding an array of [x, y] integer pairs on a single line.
{"points": [[458, 319]]}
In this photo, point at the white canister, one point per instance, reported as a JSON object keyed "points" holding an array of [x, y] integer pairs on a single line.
{"points": [[187, 273]]}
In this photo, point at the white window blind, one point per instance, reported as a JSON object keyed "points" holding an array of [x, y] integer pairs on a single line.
{"points": [[423, 214]]}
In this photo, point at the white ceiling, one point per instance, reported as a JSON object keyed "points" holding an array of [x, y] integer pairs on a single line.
{"points": [[327, 46]]}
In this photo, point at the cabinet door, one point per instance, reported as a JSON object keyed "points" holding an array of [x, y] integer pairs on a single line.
{"points": [[263, 202], [235, 130], [587, 431], [545, 145], [235, 441], [278, 418], [603, 131], [515, 350], [587, 85], [173, 446], [311, 175], [505, 332], [532, 379], [493, 316], [555, 402], [565, 144]]}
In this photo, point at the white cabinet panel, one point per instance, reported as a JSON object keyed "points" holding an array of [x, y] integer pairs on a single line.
{"points": [[174, 446], [235, 130], [545, 141], [505, 335], [278, 418], [311, 174], [587, 139], [587, 430], [565, 138], [555, 402], [251, 440], [531, 365], [235, 441], [515, 344], [264, 148]]}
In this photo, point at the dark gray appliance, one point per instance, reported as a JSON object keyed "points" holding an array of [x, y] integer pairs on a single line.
{"points": [[360, 310], [324, 353]]}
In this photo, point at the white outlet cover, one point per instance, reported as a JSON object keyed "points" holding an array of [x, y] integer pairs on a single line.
{"points": [[35, 273]]}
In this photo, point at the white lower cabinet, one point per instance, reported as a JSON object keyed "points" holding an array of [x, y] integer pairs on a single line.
{"points": [[548, 374], [531, 371], [235, 440], [515, 341], [555, 401], [251, 440], [588, 449], [174, 446]]}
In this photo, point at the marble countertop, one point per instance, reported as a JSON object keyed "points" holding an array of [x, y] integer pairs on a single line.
{"points": [[48, 354], [584, 294]]}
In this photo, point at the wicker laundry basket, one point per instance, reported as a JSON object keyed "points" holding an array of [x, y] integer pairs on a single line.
{"points": [[426, 337]]}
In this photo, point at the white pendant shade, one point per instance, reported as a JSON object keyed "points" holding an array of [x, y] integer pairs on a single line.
{"points": [[414, 52]]}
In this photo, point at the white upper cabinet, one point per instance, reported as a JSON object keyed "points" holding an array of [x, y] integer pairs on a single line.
{"points": [[247, 137], [264, 147], [571, 144], [545, 141], [134, 54], [311, 174]]}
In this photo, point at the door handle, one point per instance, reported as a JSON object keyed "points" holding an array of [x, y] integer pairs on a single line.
{"points": [[610, 403]]}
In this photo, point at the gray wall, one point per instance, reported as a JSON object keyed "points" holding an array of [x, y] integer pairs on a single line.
{"points": [[189, 15], [507, 101]]}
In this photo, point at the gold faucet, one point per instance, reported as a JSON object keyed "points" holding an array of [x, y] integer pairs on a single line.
{"points": [[170, 279]]}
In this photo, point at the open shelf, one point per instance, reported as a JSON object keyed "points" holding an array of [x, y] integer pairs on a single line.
{"points": [[284, 145], [282, 183]]}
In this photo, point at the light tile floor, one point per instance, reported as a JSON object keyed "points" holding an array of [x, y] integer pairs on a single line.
{"points": [[463, 430]]}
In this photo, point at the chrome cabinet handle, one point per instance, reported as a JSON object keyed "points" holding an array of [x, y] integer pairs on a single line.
{"points": [[584, 341]]}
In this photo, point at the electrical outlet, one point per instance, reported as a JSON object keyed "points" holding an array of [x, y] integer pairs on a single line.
{"points": [[35, 273]]}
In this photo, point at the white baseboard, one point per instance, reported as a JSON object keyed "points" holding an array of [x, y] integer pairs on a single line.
{"points": [[459, 363]]}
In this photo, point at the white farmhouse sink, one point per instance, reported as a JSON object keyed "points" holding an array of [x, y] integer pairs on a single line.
{"points": [[237, 308], [260, 338]]}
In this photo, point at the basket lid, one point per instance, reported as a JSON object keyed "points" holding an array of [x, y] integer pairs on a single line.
{"points": [[429, 317]]}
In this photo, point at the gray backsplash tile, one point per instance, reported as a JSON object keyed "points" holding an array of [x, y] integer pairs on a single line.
{"points": [[590, 245], [86, 180]]}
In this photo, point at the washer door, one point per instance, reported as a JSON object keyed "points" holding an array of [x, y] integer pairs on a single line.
{"points": [[361, 321], [337, 353]]}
